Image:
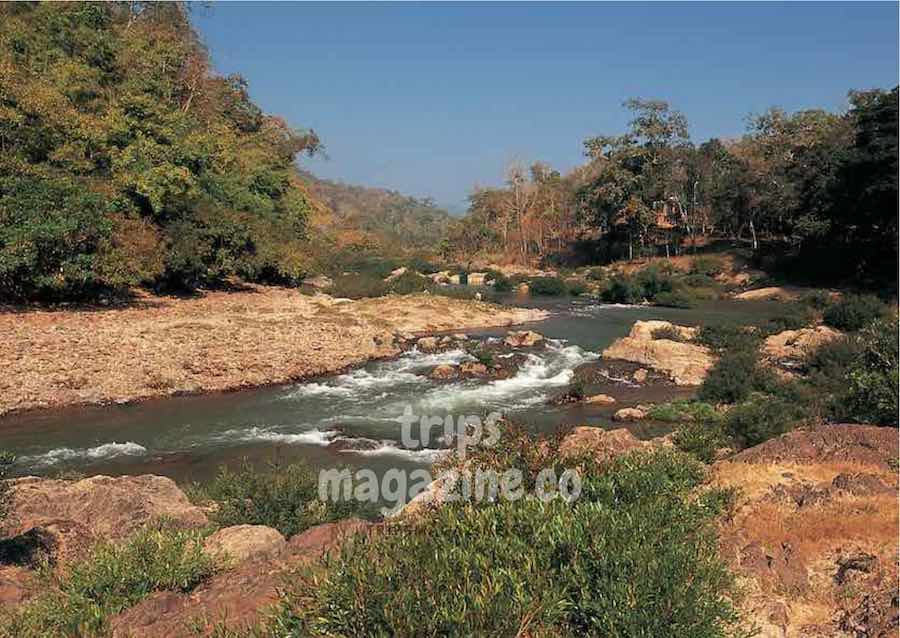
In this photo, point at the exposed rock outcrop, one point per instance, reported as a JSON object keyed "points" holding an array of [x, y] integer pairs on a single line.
{"points": [[523, 339], [684, 363], [629, 414], [796, 344], [600, 399], [67, 517], [444, 372]]}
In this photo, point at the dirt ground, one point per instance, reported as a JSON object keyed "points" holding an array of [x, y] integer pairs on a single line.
{"points": [[160, 346]]}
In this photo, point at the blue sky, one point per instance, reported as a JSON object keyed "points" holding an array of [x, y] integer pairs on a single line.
{"points": [[433, 98]]}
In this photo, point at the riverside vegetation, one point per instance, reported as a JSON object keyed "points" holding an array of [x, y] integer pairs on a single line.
{"points": [[130, 169]]}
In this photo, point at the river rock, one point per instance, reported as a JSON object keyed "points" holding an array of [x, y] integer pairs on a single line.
{"points": [[600, 399], [684, 363], [782, 293], [428, 344], [443, 372], [476, 278], [473, 369], [603, 445], [523, 339], [242, 542], [640, 375], [629, 414], [797, 344]]}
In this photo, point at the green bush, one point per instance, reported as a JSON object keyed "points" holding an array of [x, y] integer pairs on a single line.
{"points": [[678, 298], [284, 497], [761, 418], [733, 377], [547, 286], [622, 289], [358, 286], [634, 556], [79, 600], [6, 462], [409, 283], [682, 410], [701, 439], [853, 312], [728, 337], [818, 299], [576, 287], [655, 280], [502, 283], [695, 280], [791, 316], [873, 375], [707, 265]]}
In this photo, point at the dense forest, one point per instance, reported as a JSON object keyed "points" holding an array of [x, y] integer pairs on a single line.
{"points": [[805, 184]]}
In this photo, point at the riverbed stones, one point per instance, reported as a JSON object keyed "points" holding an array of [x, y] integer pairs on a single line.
{"points": [[794, 345], [640, 375], [444, 372], [428, 344], [629, 414], [523, 339], [685, 363], [600, 399], [473, 369]]}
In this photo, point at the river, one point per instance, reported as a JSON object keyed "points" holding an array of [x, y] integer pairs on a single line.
{"points": [[349, 419]]}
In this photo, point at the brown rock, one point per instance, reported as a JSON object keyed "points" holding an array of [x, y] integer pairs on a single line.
{"points": [[684, 363], [863, 444], [640, 375], [16, 585], [443, 372], [75, 513], [427, 344], [243, 542], [797, 344], [236, 599], [473, 369], [523, 339], [600, 399], [861, 484], [628, 414], [876, 616]]}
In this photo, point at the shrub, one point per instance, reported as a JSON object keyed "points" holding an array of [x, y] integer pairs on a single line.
{"points": [[547, 286], [284, 497], [79, 601], [853, 312], [873, 375], [707, 265], [678, 298], [791, 317], [818, 299], [727, 337], [635, 555], [6, 461], [422, 265], [734, 376], [576, 287], [358, 286], [502, 283], [683, 410], [622, 289], [654, 280], [699, 281], [409, 283], [597, 274], [828, 366], [760, 419], [701, 439]]}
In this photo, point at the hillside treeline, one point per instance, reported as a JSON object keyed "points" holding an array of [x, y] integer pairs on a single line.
{"points": [[378, 219], [125, 160], [821, 187]]}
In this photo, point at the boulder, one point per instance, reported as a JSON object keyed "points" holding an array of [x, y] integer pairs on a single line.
{"points": [[523, 339], [473, 369], [640, 375], [600, 399], [73, 514], [772, 292], [476, 278], [443, 372], [684, 363], [243, 542], [628, 414], [522, 289], [428, 344], [797, 344]]}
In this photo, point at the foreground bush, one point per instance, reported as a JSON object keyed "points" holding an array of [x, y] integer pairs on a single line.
{"points": [[409, 283], [79, 601], [761, 418], [634, 556], [284, 497], [702, 439], [683, 410], [873, 375], [853, 312], [733, 377], [707, 265], [728, 337]]}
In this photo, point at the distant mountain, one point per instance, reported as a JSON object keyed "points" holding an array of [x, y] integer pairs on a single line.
{"points": [[397, 221]]}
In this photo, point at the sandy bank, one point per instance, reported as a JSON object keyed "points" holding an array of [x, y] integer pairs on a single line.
{"points": [[219, 341]]}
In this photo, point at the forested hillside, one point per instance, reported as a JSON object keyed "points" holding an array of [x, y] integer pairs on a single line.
{"points": [[124, 159], [820, 187], [384, 218]]}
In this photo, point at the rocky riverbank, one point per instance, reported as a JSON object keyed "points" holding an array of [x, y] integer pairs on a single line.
{"points": [[220, 341]]}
